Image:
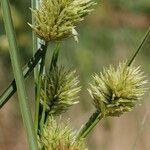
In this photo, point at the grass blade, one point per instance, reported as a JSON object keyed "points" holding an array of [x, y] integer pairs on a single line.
{"points": [[11, 89], [15, 59], [34, 41], [131, 59], [55, 57], [37, 96]]}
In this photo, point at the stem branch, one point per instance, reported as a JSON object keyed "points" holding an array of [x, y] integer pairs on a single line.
{"points": [[131, 59], [92, 122], [37, 101]]}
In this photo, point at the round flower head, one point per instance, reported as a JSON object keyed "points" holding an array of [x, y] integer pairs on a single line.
{"points": [[117, 91], [60, 90], [58, 136], [56, 19]]}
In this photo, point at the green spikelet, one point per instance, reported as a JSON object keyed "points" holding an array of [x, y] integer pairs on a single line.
{"points": [[59, 136], [117, 91], [56, 19], [61, 90]]}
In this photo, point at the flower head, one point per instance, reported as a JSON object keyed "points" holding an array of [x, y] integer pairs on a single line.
{"points": [[59, 136], [117, 91], [56, 19], [61, 90]]}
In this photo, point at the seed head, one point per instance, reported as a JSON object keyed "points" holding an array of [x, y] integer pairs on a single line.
{"points": [[56, 19], [117, 91], [61, 90], [59, 136]]}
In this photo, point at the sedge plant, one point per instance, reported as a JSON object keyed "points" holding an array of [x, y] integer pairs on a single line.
{"points": [[114, 91]]}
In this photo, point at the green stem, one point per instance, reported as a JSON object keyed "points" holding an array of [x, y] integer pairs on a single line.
{"points": [[131, 59], [44, 107], [92, 122], [34, 41], [35, 47], [37, 101], [15, 59], [55, 57], [53, 64], [11, 89]]}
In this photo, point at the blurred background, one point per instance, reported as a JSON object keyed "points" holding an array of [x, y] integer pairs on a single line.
{"points": [[110, 34]]}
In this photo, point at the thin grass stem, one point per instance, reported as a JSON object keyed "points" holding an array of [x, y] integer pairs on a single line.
{"points": [[44, 107], [16, 64], [37, 100], [55, 57], [11, 89], [34, 41], [133, 56], [53, 65], [92, 122]]}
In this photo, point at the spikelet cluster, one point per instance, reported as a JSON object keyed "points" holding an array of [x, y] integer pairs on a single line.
{"points": [[56, 19], [116, 91], [59, 136], [61, 90]]}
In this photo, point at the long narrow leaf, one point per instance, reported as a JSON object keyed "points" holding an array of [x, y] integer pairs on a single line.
{"points": [[11, 89], [15, 59], [133, 56], [37, 98], [34, 41], [55, 57]]}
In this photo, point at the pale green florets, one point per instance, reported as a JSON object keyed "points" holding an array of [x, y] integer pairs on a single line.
{"points": [[116, 91], [61, 90], [56, 19], [59, 136]]}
